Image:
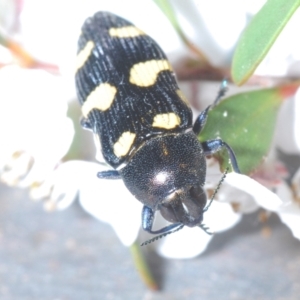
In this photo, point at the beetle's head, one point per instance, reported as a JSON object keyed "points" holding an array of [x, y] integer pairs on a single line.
{"points": [[184, 206], [168, 173]]}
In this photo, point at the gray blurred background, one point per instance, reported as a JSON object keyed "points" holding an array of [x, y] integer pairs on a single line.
{"points": [[69, 255]]}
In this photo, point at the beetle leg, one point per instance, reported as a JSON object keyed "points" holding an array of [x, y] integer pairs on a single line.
{"points": [[85, 124], [147, 222], [200, 121], [213, 146], [109, 174]]}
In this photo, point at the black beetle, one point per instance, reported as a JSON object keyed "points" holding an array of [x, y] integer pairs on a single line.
{"points": [[131, 101]]}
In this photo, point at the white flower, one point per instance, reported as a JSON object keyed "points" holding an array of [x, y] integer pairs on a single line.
{"points": [[107, 200], [34, 130], [289, 211]]}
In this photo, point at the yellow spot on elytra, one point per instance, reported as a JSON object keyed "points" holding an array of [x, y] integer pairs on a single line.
{"points": [[182, 97], [100, 98], [84, 54], [166, 121], [145, 74], [124, 143], [125, 32]]}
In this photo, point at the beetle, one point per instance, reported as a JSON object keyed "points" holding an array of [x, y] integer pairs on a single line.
{"points": [[141, 121]]}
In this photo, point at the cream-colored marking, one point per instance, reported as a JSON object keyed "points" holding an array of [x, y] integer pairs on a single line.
{"points": [[125, 32], [182, 97], [124, 143], [84, 54], [166, 121], [100, 98], [145, 74]]}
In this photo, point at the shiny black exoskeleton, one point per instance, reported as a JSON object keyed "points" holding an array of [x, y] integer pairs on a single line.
{"points": [[132, 103]]}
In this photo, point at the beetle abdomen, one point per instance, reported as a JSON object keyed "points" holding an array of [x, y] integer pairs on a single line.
{"points": [[126, 86]]}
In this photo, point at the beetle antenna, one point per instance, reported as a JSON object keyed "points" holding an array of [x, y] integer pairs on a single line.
{"points": [[222, 91], [216, 190], [203, 226], [161, 235]]}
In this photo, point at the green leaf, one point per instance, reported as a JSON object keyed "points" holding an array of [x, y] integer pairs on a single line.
{"points": [[259, 36], [246, 122]]}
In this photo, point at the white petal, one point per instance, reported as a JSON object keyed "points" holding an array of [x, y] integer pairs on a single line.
{"points": [[289, 212], [107, 200], [34, 121], [186, 243], [221, 216], [111, 202], [297, 120], [242, 201], [287, 131], [263, 197], [61, 185], [296, 185]]}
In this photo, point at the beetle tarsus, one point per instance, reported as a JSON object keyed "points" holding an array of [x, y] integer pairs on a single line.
{"points": [[222, 91], [205, 229]]}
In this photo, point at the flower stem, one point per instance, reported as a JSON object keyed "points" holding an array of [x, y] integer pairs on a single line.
{"points": [[142, 267]]}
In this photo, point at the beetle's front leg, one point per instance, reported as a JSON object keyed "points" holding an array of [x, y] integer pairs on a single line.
{"points": [[213, 146], [147, 222], [109, 174]]}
